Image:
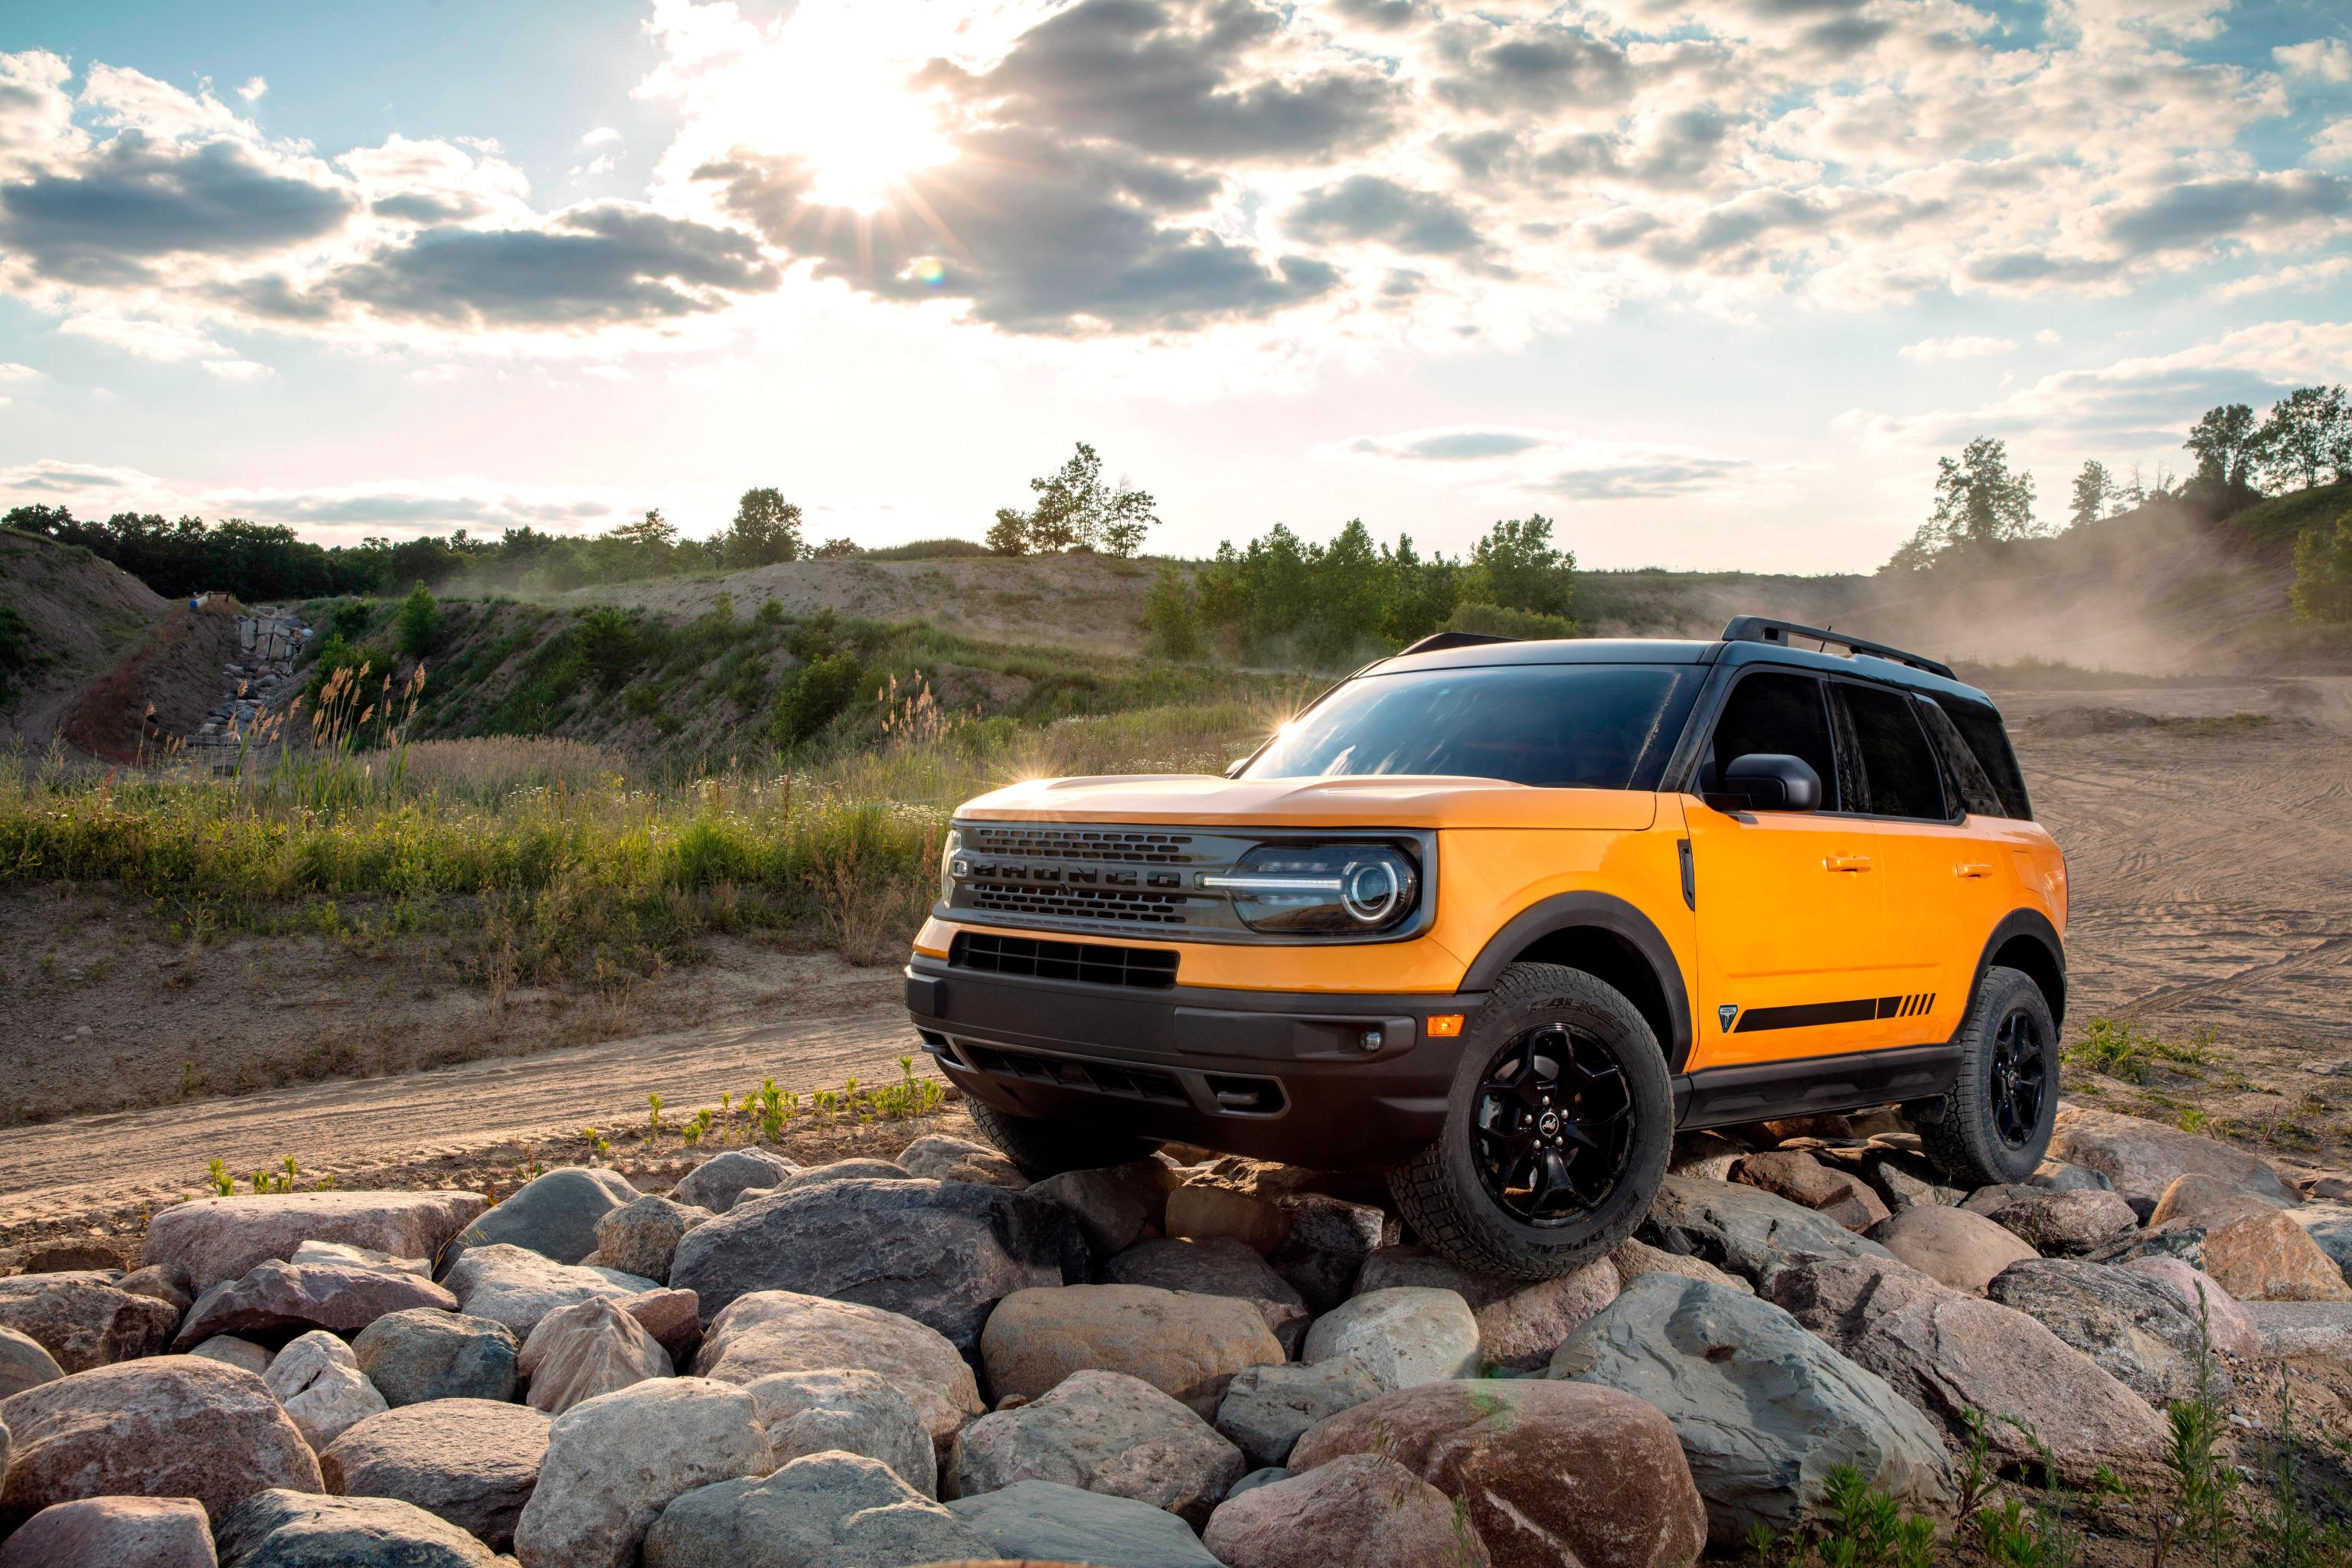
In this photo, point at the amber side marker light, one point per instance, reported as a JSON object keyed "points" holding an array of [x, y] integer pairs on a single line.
{"points": [[1445, 1025]]}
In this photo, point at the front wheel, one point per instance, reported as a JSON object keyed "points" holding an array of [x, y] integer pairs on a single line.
{"points": [[1994, 1126], [1556, 1133]]}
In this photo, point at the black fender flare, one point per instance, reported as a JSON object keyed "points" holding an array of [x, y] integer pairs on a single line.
{"points": [[1567, 911], [2035, 925]]}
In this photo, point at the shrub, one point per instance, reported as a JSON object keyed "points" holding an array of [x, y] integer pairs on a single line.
{"points": [[1499, 620], [16, 650], [2323, 573], [420, 622], [1168, 621], [814, 695], [351, 619], [608, 645]]}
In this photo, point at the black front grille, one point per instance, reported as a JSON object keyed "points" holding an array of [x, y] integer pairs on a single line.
{"points": [[1124, 905], [1102, 1078], [1097, 964], [1080, 844]]}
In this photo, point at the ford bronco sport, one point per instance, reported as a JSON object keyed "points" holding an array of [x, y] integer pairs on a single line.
{"points": [[1501, 917]]}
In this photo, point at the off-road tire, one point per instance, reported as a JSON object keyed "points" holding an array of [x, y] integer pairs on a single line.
{"points": [[1962, 1132], [1440, 1192], [1043, 1149]]}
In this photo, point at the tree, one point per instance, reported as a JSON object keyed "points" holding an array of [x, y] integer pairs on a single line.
{"points": [[2307, 440], [1077, 510], [766, 529], [652, 530], [2323, 573], [419, 622], [1978, 501], [1516, 566], [2224, 442], [2092, 488], [1168, 616], [609, 645], [810, 701]]}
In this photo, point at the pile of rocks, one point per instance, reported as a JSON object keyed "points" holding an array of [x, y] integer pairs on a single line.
{"points": [[930, 1360]]}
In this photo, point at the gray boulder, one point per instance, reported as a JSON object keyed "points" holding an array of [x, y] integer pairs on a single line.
{"points": [[1266, 1408], [1406, 1335], [273, 1300], [2288, 1330], [83, 1319], [113, 1533], [1106, 1432], [2058, 1176], [823, 1510], [1184, 1345], [321, 1387], [1962, 1249], [424, 1355], [851, 1410], [641, 1238], [1357, 1508], [1519, 1324], [1744, 1229], [553, 1215], [1763, 1408], [718, 1182], [1115, 1205], [579, 1352], [2330, 1224], [1328, 1242], [213, 1239], [2057, 1225], [942, 1253], [2141, 1159], [24, 1362], [1047, 1521], [861, 1169], [2130, 1324], [614, 1464], [282, 1528], [472, 1462], [231, 1351], [518, 1287], [772, 1331], [1219, 1266], [939, 1158]]}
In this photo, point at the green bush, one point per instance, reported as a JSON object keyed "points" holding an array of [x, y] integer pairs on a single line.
{"points": [[351, 619], [16, 650], [2323, 573], [1502, 621], [420, 622], [1168, 618], [815, 696], [608, 645]]}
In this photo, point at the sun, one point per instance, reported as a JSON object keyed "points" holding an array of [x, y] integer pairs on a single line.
{"points": [[838, 96]]}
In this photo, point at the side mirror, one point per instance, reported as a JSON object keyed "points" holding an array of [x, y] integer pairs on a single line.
{"points": [[1772, 782]]}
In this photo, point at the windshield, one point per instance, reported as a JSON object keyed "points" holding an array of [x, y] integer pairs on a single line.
{"points": [[1559, 726]]}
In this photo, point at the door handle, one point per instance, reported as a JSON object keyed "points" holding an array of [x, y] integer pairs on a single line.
{"points": [[1972, 870], [1846, 863]]}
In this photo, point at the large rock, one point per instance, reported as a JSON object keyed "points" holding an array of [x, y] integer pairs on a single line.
{"points": [[1950, 1352], [472, 1462], [1047, 1521], [1519, 1324], [1634, 1259], [1744, 1229], [165, 1427], [942, 1253], [861, 1169], [772, 1331], [718, 1182], [1115, 1205], [672, 1318], [2058, 1176], [2330, 1224], [2288, 1330], [2133, 1325], [1960, 1249], [851, 1410], [296, 1530], [231, 1351], [1186, 1345], [1266, 1408], [1764, 1409], [823, 1511], [2227, 1326], [424, 1355], [114, 1533], [165, 1282], [1402, 1336], [1552, 1472], [553, 1215], [83, 1321], [24, 1362], [2143, 1158], [344, 1253], [1106, 1432], [641, 1238], [2253, 1248], [1356, 1509], [614, 1464], [321, 1388], [1840, 1195], [1220, 1265], [2057, 1224], [579, 1352], [1329, 1240], [272, 1301], [518, 1287], [936, 1157], [220, 1239], [1204, 1210]]}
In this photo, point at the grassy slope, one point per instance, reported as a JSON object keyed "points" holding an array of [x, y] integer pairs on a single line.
{"points": [[85, 613]]}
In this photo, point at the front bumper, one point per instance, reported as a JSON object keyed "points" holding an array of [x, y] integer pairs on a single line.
{"points": [[1293, 1077]]}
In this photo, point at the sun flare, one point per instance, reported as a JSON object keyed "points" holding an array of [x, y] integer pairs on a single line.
{"points": [[839, 96]]}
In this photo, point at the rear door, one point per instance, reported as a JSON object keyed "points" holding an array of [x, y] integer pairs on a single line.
{"points": [[1790, 915]]}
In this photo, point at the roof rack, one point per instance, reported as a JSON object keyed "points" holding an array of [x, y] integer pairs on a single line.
{"points": [[1438, 642], [1761, 628]]}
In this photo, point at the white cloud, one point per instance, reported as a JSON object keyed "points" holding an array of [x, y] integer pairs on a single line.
{"points": [[9, 371], [253, 89], [600, 136], [2048, 335], [1557, 465], [237, 369], [2329, 60], [1937, 351], [147, 338], [2306, 274]]}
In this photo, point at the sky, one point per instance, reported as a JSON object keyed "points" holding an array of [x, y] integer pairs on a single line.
{"points": [[1712, 283]]}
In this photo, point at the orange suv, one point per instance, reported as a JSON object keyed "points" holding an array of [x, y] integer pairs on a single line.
{"points": [[1502, 917]]}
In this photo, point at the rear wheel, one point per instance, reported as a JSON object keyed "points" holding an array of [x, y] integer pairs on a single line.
{"points": [[1044, 1148], [1994, 1126], [1556, 1133]]}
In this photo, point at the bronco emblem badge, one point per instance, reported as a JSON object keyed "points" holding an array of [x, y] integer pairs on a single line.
{"points": [[1727, 1013]]}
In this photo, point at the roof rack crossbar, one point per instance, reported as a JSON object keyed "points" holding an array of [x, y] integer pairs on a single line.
{"points": [[1764, 629], [1438, 642]]}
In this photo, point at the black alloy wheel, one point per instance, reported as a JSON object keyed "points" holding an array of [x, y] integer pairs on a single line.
{"points": [[2020, 1078], [1994, 1124], [1553, 1125]]}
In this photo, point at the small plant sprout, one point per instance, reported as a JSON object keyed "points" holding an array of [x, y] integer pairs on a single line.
{"points": [[597, 1144], [216, 1172], [653, 1119]]}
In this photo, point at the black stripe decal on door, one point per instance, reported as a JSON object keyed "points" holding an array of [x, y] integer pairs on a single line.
{"points": [[1810, 1015]]}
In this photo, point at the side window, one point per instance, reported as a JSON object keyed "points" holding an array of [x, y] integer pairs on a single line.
{"points": [[1774, 712], [1964, 777], [1899, 772], [1981, 727]]}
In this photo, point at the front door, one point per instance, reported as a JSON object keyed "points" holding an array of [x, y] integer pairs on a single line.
{"points": [[1792, 907]]}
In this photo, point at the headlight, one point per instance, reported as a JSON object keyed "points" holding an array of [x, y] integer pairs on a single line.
{"points": [[949, 853], [1323, 888]]}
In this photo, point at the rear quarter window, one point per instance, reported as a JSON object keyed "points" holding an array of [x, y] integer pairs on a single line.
{"points": [[1988, 741]]}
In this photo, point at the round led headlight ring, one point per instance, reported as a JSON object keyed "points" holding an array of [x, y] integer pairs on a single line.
{"points": [[1371, 889]]}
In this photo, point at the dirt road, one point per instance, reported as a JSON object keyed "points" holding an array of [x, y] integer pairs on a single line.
{"points": [[2212, 862]]}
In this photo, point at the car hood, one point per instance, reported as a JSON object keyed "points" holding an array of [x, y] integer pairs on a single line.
{"points": [[1394, 800]]}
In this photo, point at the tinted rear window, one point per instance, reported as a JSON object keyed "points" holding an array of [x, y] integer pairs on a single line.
{"points": [[1981, 728], [1899, 774], [1560, 726]]}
